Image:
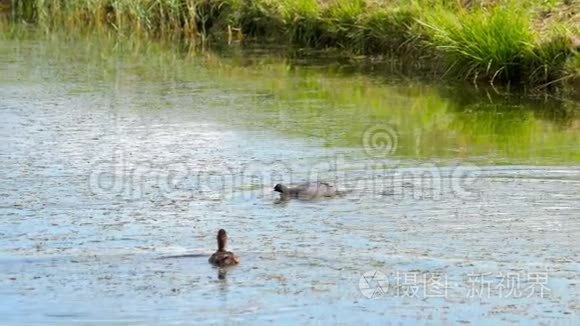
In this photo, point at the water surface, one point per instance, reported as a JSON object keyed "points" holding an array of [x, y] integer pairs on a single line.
{"points": [[118, 156]]}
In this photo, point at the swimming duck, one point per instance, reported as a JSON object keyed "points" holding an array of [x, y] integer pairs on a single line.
{"points": [[307, 190], [222, 257]]}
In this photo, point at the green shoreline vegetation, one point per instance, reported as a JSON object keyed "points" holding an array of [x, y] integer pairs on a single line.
{"points": [[531, 42]]}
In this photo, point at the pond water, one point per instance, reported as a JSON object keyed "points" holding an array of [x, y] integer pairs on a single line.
{"points": [[121, 160]]}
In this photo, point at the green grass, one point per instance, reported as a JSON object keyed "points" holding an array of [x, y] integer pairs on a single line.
{"points": [[498, 43], [501, 41], [302, 20], [483, 43]]}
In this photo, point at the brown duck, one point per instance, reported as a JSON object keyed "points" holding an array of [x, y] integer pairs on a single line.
{"points": [[222, 257]]}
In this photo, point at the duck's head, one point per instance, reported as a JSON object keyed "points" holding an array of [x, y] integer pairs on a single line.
{"points": [[222, 240], [279, 188]]}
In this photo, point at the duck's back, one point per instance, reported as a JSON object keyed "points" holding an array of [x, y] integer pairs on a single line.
{"points": [[312, 190], [224, 258]]}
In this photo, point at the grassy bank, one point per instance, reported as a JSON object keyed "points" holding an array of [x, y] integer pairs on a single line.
{"points": [[530, 42]]}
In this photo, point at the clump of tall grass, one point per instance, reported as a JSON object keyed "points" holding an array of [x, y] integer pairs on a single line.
{"points": [[342, 19], [496, 43], [302, 20], [256, 17], [386, 30], [166, 18], [366, 28], [485, 43], [548, 59]]}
